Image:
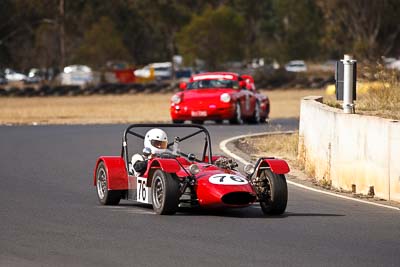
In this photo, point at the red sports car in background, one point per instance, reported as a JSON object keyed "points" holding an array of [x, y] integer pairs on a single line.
{"points": [[219, 96]]}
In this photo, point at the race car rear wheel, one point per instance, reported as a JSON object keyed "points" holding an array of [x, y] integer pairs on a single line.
{"points": [[165, 193], [105, 196], [237, 118], [274, 194], [256, 115]]}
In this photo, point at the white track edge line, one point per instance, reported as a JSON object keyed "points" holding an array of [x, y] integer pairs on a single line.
{"points": [[224, 148]]}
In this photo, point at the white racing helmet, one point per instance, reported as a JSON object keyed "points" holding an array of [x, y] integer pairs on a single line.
{"points": [[156, 140]]}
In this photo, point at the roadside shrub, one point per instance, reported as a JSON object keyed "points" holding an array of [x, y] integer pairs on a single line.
{"points": [[274, 78], [383, 100]]}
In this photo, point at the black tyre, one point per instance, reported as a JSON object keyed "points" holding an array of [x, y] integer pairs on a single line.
{"points": [[273, 199], [256, 118], [264, 119], [165, 193], [237, 118], [197, 122], [105, 196], [177, 121]]}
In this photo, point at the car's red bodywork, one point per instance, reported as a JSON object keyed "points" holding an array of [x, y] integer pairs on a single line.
{"points": [[116, 170], [199, 103], [173, 178], [209, 195]]}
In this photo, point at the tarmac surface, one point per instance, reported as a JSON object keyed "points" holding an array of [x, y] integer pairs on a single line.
{"points": [[50, 215]]}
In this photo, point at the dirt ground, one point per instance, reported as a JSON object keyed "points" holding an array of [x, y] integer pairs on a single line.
{"points": [[131, 108]]}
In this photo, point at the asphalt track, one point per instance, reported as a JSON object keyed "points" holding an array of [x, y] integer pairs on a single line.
{"points": [[50, 215]]}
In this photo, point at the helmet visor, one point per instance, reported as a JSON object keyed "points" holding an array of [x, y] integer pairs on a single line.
{"points": [[159, 144]]}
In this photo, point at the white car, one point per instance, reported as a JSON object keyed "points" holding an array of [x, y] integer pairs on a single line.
{"points": [[77, 75], [395, 65], [14, 76], [162, 70], [296, 66]]}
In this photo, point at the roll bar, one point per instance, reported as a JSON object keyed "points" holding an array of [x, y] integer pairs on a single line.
{"points": [[202, 129]]}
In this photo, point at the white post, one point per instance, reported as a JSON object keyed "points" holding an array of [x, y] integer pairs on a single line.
{"points": [[348, 64]]}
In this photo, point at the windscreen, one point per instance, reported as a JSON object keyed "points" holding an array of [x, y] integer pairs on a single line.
{"points": [[215, 83]]}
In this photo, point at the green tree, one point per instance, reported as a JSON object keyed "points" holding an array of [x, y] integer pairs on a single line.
{"points": [[215, 36], [102, 43], [295, 28], [164, 18], [368, 29], [45, 43], [256, 14]]}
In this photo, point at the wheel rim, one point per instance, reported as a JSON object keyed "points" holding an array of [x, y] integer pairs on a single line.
{"points": [[268, 189], [257, 113], [101, 183], [158, 192], [238, 113]]}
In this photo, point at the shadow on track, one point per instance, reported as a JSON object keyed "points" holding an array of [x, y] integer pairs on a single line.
{"points": [[249, 212]]}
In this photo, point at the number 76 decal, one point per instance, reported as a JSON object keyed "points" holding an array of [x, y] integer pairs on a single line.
{"points": [[227, 179]]}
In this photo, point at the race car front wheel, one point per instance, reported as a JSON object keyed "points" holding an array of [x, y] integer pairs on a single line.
{"points": [[105, 196], [274, 194], [165, 193]]}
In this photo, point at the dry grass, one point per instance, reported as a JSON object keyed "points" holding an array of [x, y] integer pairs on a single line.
{"points": [[383, 101], [286, 103], [279, 145], [120, 108], [85, 109]]}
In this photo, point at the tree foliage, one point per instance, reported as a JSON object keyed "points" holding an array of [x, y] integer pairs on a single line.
{"points": [[98, 50], [216, 36], [216, 31], [368, 29], [297, 29]]}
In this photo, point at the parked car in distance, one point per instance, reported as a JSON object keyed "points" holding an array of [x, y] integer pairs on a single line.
{"points": [[219, 96], [395, 65], [13, 76], [77, 75], [3, 79], [35, 76], [296, 66], [162, 71]]}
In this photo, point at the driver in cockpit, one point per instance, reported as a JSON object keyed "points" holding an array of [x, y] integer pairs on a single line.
{"points": [[156, 141]]}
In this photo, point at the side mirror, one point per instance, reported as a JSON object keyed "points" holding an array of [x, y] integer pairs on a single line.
{"points": [[182, 85], [242, 84], [146, 151]]}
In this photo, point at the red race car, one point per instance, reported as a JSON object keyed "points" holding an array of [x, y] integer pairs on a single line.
{"points": [[167, 177], [219, 96]]}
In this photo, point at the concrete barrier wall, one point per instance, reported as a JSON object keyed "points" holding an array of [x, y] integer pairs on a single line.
{"points": [[349, 149]]}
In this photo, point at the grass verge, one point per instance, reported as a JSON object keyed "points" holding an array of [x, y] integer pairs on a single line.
{"points": [[277, 145]]}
